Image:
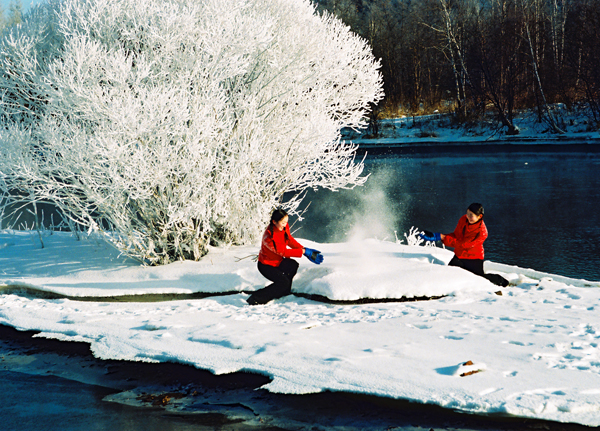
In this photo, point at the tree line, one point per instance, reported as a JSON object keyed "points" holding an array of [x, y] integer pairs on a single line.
{"points": [[472, 56]]}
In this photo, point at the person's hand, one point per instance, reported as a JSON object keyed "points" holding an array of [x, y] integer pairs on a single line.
{"points": [[430, 236], [314, 256]]}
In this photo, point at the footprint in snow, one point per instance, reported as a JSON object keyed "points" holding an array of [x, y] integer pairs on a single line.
{"points": [[452, 337], [518, 343]]}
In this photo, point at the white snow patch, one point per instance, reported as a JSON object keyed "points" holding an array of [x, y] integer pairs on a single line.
{"points": [[536, 347]]}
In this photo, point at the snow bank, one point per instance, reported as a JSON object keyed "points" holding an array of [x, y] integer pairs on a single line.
{"points": [[438, 129], [534, 350], [365, 269]]}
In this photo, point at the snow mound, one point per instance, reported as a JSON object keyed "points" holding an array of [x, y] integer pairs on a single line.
{"points": [[533, 351], [351, 271]]}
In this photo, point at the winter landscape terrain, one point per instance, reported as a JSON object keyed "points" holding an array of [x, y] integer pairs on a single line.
{"points": [[439, 128], [530, 349], [169, 126], [352, 326]]}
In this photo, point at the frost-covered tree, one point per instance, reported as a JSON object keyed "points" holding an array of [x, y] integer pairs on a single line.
{"points": [[171, 125]]}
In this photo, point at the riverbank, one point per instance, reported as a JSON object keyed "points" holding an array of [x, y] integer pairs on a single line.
{"points": [[480, 349], [439, 129], [143, 396]]}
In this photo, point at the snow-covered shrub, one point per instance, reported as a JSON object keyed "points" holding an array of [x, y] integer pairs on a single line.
{"points": [[413, 238], [168, 125]]}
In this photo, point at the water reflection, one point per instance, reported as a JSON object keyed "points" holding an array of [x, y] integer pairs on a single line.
{"points": [[542, 207]]}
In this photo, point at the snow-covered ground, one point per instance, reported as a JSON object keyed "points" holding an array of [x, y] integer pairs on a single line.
{"points": [[439, 129], [534, 345]]}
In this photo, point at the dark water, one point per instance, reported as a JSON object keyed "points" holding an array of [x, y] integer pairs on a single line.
{"points": [[542, 202], [40, 394], [52, 403]]}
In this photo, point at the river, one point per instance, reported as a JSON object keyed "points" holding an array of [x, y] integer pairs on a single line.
{"points": [[542, 202]]}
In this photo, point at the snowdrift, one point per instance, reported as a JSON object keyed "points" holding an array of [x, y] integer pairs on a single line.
{"points": [[530, 349]]}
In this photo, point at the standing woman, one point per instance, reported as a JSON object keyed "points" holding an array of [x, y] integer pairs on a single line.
{"points": [[274, 260], [467, 241]]}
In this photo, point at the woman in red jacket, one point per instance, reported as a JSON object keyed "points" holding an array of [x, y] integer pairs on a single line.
{"points": [[274, 260], [467, 241]]}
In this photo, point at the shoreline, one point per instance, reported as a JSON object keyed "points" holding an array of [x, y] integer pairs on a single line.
{"points": [[236, 399], [459, 147]]}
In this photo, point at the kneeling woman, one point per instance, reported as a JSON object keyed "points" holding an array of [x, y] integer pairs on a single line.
{"points": [[274, 260], [467, 241]]}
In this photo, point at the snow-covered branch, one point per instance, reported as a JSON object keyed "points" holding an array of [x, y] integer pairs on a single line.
{"points": [[170, 125]]}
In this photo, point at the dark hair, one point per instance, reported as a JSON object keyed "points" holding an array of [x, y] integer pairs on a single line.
{"points": [[476, 208], [278, 214]]}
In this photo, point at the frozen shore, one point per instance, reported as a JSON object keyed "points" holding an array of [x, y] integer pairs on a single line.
{"points": [[437, 129], [143, 396], [533, 345]]}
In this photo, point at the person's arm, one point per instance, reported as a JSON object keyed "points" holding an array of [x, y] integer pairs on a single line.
{"points": [[314, 256], [279, 247], [295, 248], [452, 239], [292, 243], [293, 252]]}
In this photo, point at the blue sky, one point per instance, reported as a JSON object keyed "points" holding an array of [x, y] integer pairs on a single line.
{"points": [[26, 4]]}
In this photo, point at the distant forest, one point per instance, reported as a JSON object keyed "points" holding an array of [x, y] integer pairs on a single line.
{"points": [[469, 56]]}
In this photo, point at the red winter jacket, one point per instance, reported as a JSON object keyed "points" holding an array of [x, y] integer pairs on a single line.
{"points": [[467, 239], [275, 245]]}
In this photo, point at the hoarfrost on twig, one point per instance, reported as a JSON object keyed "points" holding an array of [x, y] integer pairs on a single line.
{"points": [[170, 126], [413, 238]]}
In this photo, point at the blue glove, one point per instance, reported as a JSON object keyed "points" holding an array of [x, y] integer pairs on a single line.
{"points": [[430, 236], [314, 256]]}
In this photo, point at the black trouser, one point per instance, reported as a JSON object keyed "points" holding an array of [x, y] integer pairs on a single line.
{"points": [[281, 276], [476, 267]]}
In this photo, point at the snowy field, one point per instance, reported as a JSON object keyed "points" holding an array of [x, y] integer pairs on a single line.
{"points": [[534, 348]]}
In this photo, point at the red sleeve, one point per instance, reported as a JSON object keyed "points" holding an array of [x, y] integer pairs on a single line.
{"points": [[295, 249], [292, 243], [452, 239]]}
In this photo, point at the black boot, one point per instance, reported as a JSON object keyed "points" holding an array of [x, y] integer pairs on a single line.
{"points": [[498, 280]]}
